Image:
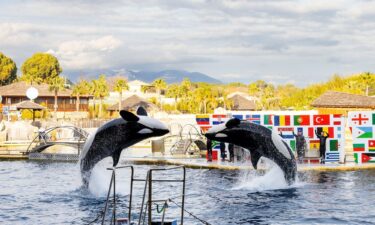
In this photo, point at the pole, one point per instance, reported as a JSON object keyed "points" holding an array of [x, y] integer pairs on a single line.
{"points": [[150, 198]]}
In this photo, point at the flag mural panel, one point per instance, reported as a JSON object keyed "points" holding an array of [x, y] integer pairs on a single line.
{"points": [[287, 124], [362, 126]]}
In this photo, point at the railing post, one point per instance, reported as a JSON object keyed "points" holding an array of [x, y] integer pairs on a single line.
{"points": [[131, 193], [150, 198], [183, 197], [114, 195]]}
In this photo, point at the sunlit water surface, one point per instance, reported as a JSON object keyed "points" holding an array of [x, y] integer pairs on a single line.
{"points": [[51, 193]]}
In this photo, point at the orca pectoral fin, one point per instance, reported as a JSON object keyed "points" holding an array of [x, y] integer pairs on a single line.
{"points": [[116, 157], [255, 156]]}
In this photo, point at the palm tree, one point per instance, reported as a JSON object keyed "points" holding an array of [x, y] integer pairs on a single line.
{"points": [[56, 84], [81, 88], [120, 85], [99, 89], [160, 85], [173, 91]]}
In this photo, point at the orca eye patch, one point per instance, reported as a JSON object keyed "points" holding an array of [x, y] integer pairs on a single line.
{"points": [[145, 131]]}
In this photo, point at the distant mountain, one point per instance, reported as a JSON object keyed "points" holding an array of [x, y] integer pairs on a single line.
{"points": [[170, 76]]}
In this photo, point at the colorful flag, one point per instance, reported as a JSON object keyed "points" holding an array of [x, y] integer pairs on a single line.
{"points": [[310, 132], [373, 119], [202, 119], [267, 119], [253, 118], [218, 119], [204, 129], [332, 157], [287, 132], [314, 144], [329, 130], [362, 132], [283, 120], [333, 145], [321, 120], [302, 120], [240, 117], [368, 157], [358, 147], [336, 120], [293, 144], [371, 145], [360, 119]]}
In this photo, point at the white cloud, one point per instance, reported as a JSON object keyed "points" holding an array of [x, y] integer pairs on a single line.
{"points": [[295, 39], [86, 54]]}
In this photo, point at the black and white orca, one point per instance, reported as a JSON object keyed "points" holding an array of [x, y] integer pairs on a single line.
{"points": [[116, 135], [260, 141]]}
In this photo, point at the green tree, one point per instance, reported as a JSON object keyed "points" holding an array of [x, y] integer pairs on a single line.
{"points": [[79, 89], [173, 91], [160, 85], [8, 70], [56, 84], [99, 89], [120, 85], [40, 68]]}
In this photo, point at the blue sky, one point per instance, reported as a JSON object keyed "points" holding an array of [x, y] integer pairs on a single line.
{"points": [[299, 42]]}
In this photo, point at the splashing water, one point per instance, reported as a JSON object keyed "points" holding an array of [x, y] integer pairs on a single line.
{"points": [[101, 177], [272, 179]]}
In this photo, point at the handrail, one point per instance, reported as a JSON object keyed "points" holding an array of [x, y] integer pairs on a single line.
{"points": [[113, 181], [81, 132]]}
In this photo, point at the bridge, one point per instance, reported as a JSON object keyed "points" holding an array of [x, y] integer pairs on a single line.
{"points": [[61, 135]]}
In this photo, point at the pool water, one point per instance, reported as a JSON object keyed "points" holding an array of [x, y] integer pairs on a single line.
{"points": [[51, 193]]}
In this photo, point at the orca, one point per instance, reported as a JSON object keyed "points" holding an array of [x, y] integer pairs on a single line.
{"points": [[116, 135], [260, 141]]}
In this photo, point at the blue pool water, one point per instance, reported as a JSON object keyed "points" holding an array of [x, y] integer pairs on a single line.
{"points": [[51, 193]]}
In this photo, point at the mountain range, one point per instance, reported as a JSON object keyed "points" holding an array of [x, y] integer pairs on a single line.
{"points": [[170, 76]]}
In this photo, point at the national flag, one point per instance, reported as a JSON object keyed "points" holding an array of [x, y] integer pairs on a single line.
{"points": [[253, 118], [302, 120], [287, 132], [321, 119], [310, 132], [204, 129], [267, 119], [358, 147], [293, 144], [314, 144], [332, 157], [368, 157], [281, 120], [371, 145], [336, 120], [333, 145], [362, 132], [218, 119], [373, 119], [238, 116], [202, 119], [328, 130], [216, 145], [359, 119]]}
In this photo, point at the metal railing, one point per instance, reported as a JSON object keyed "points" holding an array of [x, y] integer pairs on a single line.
{"points": [[147, 191]]}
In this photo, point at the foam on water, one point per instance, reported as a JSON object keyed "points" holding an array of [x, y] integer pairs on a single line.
{"points": [[256, 181], [101, 177]]}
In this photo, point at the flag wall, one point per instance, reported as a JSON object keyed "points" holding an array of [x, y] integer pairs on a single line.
{"points": [[362, 126], [333, 124]]}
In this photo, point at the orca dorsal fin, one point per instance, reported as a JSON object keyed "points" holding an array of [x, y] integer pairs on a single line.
{"points": [[233, 122], [128, 116], [141, 111], [255, 156]]}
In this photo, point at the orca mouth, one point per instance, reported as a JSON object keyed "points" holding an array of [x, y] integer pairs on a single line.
{"points": [[221, 135], [162, 132]]}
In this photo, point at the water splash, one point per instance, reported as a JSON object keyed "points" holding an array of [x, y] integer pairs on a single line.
{"points": [[101, 177], [272, 179]]}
